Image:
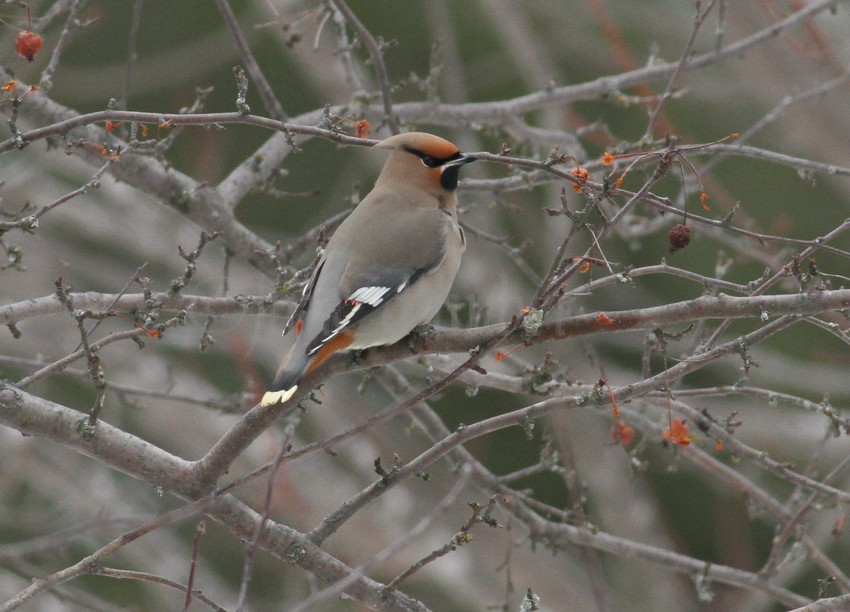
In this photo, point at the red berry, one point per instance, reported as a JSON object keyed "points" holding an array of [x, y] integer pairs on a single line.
{"points": [[27, 44]]}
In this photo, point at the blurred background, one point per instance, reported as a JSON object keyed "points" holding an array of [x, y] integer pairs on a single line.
{"points": [[442, 53]]}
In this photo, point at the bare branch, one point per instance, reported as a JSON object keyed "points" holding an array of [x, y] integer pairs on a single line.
{"points": [[270, 101], [376, 54]]}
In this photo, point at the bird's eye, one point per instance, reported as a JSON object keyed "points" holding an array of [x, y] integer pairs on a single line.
{"points": [[430, 161]]}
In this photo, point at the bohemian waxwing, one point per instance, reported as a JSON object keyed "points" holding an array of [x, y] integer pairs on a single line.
{"points": [[388, 267]]}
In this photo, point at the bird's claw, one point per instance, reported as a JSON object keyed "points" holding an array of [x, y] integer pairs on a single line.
{"points": [[423, 331]]}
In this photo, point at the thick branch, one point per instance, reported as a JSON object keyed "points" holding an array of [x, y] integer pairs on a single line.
{"points": [[32, 415]]}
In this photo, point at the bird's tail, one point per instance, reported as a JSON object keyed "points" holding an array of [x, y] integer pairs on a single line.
{"points": [[299, 363], [285, 382]]}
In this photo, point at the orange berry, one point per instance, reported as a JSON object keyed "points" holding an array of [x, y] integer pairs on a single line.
{"points": [[604, 319], [678, 432], [361, 128], [622, 433]]}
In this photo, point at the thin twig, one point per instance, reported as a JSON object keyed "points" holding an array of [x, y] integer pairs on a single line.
{"points": [[397, 546], [272, 104], [200, 530], [117, 299], [376, 54], [560, 532], [346, 57], [92, 183], [251, 550], [71, 24], [132, 52], [699, 19], [61, 364], [92, 562], [154, 579]]}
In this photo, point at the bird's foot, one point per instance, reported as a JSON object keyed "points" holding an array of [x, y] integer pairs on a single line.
{"points": [[421, 332], [357, 356]]}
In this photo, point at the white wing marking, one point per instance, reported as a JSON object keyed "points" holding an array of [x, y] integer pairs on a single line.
{"points": [[373, 296]]}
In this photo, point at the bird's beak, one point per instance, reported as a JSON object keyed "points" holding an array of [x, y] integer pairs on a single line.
{"points": [[464, 159]]}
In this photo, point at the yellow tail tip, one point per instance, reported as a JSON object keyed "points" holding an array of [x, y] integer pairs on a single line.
{"points": [[277, 397]]}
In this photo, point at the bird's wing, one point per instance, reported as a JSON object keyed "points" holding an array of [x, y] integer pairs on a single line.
{"points": [[392, 264]]}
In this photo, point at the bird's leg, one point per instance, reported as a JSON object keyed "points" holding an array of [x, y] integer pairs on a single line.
{"points": [[357, 356], [420, 333]]}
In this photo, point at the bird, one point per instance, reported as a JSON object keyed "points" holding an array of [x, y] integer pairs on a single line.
{"points": [[389, 266]]}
